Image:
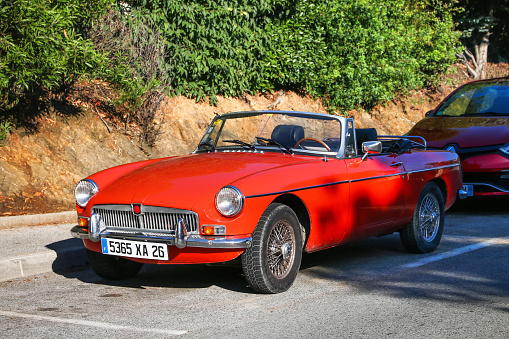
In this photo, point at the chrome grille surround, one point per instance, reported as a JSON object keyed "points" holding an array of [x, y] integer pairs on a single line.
{"points": [[151, 219]]}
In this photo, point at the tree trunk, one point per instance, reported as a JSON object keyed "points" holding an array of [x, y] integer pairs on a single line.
{"points": [[481, 55], [477, 62]]}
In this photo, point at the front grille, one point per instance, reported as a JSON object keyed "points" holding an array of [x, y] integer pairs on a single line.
{"points": [[495, 178], [151, 218]]}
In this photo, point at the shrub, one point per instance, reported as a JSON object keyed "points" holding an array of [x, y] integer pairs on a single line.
{"points": [[351, 53], [42, 48], [138, 67], [359, 52]]}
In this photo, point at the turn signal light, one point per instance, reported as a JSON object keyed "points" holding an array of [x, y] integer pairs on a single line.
{"points": [[213, 230], [83, 222]]}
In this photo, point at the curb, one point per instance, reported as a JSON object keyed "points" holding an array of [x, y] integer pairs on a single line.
{"points": [[38, 219], [51, 255], [42, 262]]}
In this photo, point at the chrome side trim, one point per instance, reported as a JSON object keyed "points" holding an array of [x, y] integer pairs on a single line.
{"points": [[297, 189], [434, 168], [486, 184]]}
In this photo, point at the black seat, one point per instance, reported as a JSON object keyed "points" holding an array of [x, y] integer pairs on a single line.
{"points": [[287, 135], [365, 134]]}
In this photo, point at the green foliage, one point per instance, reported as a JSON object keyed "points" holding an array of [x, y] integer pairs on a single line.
{"points": [[41, 46], [361, 52], [218, 46], [350, 52], [5, 128]]}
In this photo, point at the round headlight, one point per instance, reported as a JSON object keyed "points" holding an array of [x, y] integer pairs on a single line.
{"points": [[229, 201], [84, 190]]}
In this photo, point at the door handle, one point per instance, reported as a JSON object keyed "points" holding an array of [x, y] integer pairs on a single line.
{"points": [[396, 164]]}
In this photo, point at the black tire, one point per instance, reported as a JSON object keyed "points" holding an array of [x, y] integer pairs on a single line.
{"points": [[112, 267], [424, 232], [272, 261]]}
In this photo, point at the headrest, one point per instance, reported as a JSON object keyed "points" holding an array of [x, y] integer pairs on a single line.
{"points": [[287, 135]]}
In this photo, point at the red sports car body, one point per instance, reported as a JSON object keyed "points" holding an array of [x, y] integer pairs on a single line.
{"points": [[265, 186], [473, 121]]}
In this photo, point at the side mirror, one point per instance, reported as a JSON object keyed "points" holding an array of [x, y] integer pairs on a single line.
{"points": [[371, 147], [428, 113]]}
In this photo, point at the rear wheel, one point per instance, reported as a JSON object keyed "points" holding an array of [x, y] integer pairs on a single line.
{"points": [[272, 262], [112, 267], [424, 232]]}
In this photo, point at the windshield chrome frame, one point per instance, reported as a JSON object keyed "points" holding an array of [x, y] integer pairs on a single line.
{"points": [[308, 115]]}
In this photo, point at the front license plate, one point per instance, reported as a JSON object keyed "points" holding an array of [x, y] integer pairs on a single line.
{"points": [[134, 249], [469, 189]]}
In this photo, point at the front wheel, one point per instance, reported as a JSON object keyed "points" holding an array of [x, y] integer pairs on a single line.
{"points": [[272, 262], [112, 267], [424, 232]]}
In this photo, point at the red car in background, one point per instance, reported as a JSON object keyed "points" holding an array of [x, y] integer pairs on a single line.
{"points": [[473, 121]]}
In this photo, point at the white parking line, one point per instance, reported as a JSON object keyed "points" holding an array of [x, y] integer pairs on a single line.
{"points": [[90, 323], [457, 251]]}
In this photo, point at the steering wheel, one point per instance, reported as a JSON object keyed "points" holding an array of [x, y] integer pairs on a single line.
{"points": [[313, 139]]}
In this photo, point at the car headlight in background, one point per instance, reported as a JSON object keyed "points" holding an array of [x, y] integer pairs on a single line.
{"points": [[84, 190], [229, 201], [505, 148]]}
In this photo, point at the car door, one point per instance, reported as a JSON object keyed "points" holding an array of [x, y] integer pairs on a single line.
{"points": [[377, 193]]}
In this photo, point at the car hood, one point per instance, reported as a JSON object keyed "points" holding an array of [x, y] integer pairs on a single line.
{"points": [[179, 182], [466, 132]]}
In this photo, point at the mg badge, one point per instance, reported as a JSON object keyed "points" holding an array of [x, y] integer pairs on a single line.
{"points": [[136, 208]]}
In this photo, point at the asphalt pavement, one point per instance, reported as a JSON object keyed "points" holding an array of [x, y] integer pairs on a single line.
{"points": [[36, 244]]}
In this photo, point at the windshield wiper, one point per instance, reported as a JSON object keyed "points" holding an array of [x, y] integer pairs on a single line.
{"points": [[273, 142], [242, 143], [207, 144]]}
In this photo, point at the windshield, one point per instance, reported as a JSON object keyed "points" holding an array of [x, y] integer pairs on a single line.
{"points": [[273, 131], [477, 99]]}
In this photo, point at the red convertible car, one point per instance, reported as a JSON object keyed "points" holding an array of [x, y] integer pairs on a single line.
{"points": [[473, 121], [266, 186]]}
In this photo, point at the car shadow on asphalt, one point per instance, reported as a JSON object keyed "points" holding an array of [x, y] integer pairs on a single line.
{"points": [[229, 275], [478, 281], [369, 266], [179, 277], [70, 252]]}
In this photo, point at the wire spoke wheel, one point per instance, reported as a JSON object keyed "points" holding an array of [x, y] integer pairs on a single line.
{"points": [[424, 232], [281, 249], [429, 217], [271, 263]]}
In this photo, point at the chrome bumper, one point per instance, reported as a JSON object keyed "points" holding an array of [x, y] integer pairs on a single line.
{"points": [[180, 240]]}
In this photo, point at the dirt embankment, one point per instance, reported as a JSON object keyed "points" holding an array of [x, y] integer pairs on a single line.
{"points": [[38, 171]]}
